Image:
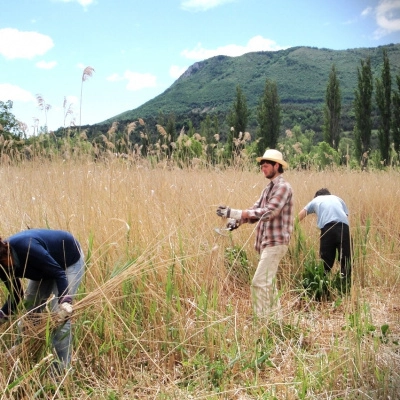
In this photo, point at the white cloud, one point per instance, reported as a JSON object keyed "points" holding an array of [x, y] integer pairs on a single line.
{"points": [[202, 5], [175, 71], [387, 17], [257, 43], [15, 93], [46, 64], [18, 44], [136, 80], [367, 11]]}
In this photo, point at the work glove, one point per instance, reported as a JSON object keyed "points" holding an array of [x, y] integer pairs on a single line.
{"points": [[227, 212], [3, 317], [232, 224], [64, 312]]}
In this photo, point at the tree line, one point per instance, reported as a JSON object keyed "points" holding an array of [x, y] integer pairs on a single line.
{"points": [[387, 103], [165, 139]]}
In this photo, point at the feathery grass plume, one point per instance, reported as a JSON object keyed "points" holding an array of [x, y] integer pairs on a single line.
{"points": [[35, 125], [43, 106], [83, 135], [23, 127], [113, 129], [161, 130], [131, 127], [68, 110], [87, 73]]}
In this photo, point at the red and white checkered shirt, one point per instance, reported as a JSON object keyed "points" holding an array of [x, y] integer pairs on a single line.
{"points": [[273, 213]]}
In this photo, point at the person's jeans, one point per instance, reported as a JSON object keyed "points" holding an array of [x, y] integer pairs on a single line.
{"points": [[263, 285], [38, 292], [335, 242]]}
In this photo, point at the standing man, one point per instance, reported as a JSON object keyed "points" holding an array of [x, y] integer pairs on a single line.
{"points": [[273, 213], [53, 262], [332, 219]]}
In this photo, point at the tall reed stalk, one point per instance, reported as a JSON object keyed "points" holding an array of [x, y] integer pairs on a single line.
{"points": [[159, 313]]}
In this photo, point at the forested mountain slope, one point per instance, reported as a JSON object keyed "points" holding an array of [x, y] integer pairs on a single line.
{"points": [[301, 74]]}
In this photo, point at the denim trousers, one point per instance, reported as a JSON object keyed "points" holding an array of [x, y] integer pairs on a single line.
{"points": [[335, 243], [263, 286], [37, 294]]}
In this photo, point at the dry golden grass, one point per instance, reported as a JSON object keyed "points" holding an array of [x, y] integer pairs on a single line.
{"points": [[157, 300]]}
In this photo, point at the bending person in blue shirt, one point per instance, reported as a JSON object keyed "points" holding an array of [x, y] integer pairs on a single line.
{"points": [[53, 262], [332, 220]]}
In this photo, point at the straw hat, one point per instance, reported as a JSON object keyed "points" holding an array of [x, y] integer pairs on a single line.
{"points": [[273, 155]]}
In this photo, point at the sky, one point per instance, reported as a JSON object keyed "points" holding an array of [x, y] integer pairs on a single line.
{"points": [[66, 62]]}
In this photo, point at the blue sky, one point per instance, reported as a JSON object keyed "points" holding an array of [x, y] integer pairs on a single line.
{"points": [[138, 48]]}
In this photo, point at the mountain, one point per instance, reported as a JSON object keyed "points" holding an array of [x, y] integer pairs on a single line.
{"points": [[301, 75]]}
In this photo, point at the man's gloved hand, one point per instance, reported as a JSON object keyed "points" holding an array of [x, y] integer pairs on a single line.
{"points": [[64, 312], [232, 224], [227, 212], [3, 317]]}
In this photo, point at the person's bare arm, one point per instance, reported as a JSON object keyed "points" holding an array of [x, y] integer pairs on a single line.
{"points": [[302, 214]]}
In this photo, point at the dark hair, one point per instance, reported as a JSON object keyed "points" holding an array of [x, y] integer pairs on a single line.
{"points": [[5, 254], [267, 162], [280, 169], [322, 192]]}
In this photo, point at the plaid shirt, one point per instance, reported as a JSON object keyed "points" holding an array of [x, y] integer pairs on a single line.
{"points": [[274, 214]]}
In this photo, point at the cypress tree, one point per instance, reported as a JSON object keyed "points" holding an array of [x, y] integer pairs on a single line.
{"points": [[332, 110], [396, 117], [383, 101], [237, 119], [268, 117], [362, 110]]}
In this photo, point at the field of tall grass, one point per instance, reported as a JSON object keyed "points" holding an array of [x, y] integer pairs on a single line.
{"points": [[164, 310]]}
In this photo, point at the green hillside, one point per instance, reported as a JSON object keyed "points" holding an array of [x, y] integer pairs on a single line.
{"points": [[301, 74]]}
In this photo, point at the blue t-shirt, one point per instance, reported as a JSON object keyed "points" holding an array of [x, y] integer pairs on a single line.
{"points": [[40, 254], [329, 208]]}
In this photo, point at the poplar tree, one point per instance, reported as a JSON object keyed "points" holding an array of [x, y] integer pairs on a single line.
{"points": [[396, 117], [362, 110], [332, 110], [383, 98], [268, 117], [237, 118]]}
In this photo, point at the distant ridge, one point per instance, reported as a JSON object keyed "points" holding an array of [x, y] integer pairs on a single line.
{"points": [[301, 74]]}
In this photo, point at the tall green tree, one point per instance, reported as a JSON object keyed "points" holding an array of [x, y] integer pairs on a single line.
{"points": [[268, 117], [362, 110], [9, 125], [383, 96], [332, 110], [237, 119], [396, 117], [208, 129], [171, 133]]}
